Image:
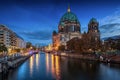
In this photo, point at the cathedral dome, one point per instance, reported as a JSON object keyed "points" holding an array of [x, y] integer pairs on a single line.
{"points": [[69, 22], [69, 17]]}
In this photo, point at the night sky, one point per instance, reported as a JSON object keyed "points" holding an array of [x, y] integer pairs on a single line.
{"points": [[34, 20]]}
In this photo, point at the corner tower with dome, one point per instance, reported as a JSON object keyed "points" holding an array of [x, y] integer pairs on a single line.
{"points": [[69, 27], [93, 29]]}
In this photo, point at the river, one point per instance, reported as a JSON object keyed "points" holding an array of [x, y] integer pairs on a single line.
{"points": [[49, 67]]}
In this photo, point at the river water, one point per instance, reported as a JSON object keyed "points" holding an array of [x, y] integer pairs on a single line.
{"points": [[49, 67]]}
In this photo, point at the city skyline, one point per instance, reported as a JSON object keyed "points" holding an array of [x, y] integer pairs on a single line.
{"points": [[35, 20]]}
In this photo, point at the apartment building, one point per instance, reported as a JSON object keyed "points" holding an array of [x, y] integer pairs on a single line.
{"points": [[10, 38]]}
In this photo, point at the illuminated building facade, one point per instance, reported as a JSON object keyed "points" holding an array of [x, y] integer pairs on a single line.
{"points": [[4, 35], [10, 38], [69, 27]]}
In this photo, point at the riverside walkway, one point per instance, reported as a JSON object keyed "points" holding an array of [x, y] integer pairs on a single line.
{"points": [[10, 63]]}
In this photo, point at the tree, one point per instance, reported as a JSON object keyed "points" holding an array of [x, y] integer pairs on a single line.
{"points": [[34, 48], [116, 45], [28, 44], [75, 45], [17, 50], [61, 48], [3, 47], [70, 44]]}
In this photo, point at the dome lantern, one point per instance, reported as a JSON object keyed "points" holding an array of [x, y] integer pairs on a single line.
{"points": [[68, 10]]}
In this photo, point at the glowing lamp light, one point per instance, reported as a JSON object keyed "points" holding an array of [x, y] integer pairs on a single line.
{"points": [[30, 52]]}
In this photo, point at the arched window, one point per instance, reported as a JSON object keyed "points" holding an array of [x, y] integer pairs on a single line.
{"points": [[73, 28]]}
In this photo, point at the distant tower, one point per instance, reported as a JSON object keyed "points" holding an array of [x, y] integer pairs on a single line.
{"points": [[54, 36], [55, 39], [93, 29]]}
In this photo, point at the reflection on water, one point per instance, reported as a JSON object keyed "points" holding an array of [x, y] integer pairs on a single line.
{"points": [[111, 73], [57, 67], [53, 65], [31, 64], [50, 67], [37, 61], [47, 63]]}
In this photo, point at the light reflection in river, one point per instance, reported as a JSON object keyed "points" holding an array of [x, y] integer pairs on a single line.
{"points": [[47, 63], [53, 65], [37, 61], [31, 64], [57, 67], [50, 67]]}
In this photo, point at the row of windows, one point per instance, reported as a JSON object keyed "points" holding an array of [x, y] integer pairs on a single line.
{"points": [[94, 30], [69, 28], [93, 27], [2, 40]]}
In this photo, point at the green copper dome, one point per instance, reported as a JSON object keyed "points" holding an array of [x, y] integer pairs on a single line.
{"points": [[93, 20], [69, 22], [69, 16]]}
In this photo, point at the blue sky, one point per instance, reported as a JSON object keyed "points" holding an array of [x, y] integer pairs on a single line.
{"points": [[34, 20]]}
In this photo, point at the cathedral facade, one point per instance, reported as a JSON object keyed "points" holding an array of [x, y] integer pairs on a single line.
{"points": [[69, 27]]}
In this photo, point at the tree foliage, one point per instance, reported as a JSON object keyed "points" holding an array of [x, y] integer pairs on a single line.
{"points": [[17, 50], [3, 47], [61, 48], [83, 45], [112, 44], [75, 45], [28, 44]]}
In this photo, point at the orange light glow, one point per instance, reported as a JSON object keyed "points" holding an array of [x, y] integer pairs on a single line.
{"points": [[37, 61], [52, 65], [47, 63], [31, 64], [57, 67]]}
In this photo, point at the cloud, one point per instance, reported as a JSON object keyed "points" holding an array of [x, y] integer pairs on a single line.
{"points": [[113, 18], [38, 35], [109, 30], [110, 25]]}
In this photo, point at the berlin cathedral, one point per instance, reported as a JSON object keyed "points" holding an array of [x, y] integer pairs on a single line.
{"points": [[69, 27]]}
